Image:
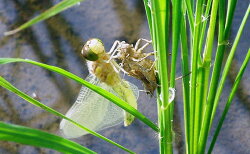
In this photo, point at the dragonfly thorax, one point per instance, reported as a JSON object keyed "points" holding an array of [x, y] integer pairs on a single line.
{"points": [[104, 72]]}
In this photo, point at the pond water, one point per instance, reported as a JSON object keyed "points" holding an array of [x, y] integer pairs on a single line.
{"points": [[58, 41]]}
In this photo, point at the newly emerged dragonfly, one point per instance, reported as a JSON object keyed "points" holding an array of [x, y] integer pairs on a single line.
{"points": [[92, 110], [135, 62]]}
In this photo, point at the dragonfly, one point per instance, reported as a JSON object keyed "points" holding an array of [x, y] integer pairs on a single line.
{"points": [[136, 63], [91, 109]]}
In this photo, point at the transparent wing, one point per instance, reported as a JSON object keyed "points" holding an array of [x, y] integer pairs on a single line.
{"points": [[92, 111], [134, 89]]}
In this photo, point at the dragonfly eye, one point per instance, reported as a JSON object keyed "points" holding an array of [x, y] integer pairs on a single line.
{"points": [[92, 49], [88, 53]]}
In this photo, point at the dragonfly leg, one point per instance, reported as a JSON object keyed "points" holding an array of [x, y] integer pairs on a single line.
{"points": [[114, 46], [151, 67], [137, 43], [141, 59], [144, 46], [121, 68], [113, 50], [118, 68]]}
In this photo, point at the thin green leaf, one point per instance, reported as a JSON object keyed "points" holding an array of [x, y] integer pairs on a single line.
{"points": [[116, 100], [204, 23], [229, 17], [4, 83], [149, 17], [176, 20], [63, 5], [160, 12], [211, 108], [194, 75], [185, 81], [210, 38], [34, 137], [204, 78], [229, 101], [190, 15], [229, 61], [224, 27], [223, 36]]}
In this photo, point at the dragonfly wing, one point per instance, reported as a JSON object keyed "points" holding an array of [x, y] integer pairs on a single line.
{"points": [[134, 88], [115, 114], [92, 111]]}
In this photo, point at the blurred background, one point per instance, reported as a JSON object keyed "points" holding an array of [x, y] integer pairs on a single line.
{"points": [[58, 41]]}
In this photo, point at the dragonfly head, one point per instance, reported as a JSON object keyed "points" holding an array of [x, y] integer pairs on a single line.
{"points": [[92, 49]]}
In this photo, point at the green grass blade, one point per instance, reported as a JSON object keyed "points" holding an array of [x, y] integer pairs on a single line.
{"points": [[210, 37], [229, 17], [199, 104], [211, 109], [224, 27], [223, 36], [176, 20], [45, 15], [219, 56], [34, 137], [4, 83], [185, 81], [229, 61], [160, 20], [204, 77], [204, 23], [229, 101], [149, 17], [116, 100], [190, 15], [209, 47], [194, 69]]}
